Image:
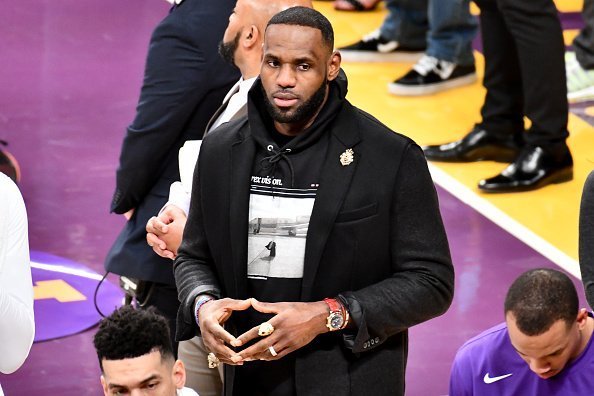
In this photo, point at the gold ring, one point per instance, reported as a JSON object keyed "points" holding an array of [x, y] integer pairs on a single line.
{"points": [[265, 329], [213, 361], [272, 351]]}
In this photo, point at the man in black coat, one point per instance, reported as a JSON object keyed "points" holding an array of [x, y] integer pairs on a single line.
{"points": [[586, 238], [185, 82], [315, 207]]}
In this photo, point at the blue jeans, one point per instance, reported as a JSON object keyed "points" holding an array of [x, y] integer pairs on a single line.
{"points": [[445, 27], [584, 42]]}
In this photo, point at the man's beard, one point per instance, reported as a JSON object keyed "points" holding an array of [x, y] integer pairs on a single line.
{"points": [[227, 50], [302, 113]]}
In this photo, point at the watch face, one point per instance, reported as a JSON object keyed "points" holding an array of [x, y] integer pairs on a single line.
{"points": [[336, 321]]}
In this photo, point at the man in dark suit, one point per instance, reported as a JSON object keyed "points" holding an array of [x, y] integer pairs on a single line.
{"points": [[185, 81], [519, 37], [317, 208], [586, 238]]}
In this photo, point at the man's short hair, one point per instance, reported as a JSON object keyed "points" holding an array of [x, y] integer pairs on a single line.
{"points": [[541, 297], [130, 333], [304, 16]]}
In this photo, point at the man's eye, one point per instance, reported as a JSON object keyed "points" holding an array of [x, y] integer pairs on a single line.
{"points": [[272, 63], [304, 67], [152, 385]]}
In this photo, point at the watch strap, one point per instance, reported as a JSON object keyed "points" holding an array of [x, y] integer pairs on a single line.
{"points": [[333, 304], [336, 309]]}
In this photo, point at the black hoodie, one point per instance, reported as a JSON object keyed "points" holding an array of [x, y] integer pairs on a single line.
{"points": [[285, 179]]}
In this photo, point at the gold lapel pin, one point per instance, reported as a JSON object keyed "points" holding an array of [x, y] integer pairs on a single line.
{"points": [[347, 157]]}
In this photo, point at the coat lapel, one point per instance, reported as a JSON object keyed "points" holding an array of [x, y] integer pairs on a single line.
{"points": [[242, 111], [242, 157], [335, 182]]}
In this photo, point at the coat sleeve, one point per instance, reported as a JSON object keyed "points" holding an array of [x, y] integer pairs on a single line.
{"points": [[182, 67], [193, 266], [586, 238], [422, 283]]}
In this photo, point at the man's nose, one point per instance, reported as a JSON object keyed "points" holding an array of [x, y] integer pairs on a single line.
{"points": [[286, 76], [540, 366]]}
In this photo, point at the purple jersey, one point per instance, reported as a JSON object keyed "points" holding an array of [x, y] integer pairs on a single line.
{"points": [[488, 365]]}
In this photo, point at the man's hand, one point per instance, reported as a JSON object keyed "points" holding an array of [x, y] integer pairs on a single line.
{"points": [[164, 232], [212, 316], [295, 325]]}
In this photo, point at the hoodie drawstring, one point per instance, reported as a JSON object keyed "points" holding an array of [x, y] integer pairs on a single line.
{"points": [[273, 160]]}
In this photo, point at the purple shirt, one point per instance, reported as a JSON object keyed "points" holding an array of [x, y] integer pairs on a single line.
{"points": [[488, 365]]}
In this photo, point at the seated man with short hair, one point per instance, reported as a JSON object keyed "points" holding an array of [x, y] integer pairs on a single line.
{"points": [[543, 348], [135, 355]]}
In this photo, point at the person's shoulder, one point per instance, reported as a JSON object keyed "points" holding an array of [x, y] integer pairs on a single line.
{"points": [[8, 187], [228, 132], [11, 199], [485, 343], [376, 129], [195, 21], [589, 184]]}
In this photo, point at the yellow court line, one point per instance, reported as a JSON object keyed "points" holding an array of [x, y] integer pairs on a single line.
{"points": [[550, 213]]}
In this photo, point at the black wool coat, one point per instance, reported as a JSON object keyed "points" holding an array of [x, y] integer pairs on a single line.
{"points": [[375, 237]]}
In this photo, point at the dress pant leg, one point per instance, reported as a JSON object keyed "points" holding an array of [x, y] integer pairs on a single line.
{"points": [[536, 29], [163, 298], [584, 42], [205, 381], [502, 110]]}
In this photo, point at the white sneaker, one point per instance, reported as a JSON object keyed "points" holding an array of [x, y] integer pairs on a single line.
{"points": [[580, 82], [431, 75]]}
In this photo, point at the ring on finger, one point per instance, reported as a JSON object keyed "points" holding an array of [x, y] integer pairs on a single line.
{"points": [[265, 329], [213, 361], [272, 351]]}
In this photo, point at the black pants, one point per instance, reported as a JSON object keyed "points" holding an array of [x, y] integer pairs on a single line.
{"points": [[524, 70], [164, 298]]}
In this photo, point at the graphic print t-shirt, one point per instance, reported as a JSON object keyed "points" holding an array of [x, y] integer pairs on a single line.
{"points": [[278, 224]]}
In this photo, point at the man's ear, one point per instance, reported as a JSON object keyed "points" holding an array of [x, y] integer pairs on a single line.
{"points": [[334, 65], [251, 36], [179, 374], [104, 385], [582, 318]]}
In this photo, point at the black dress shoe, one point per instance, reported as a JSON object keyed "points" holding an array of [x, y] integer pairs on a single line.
{"points": [[478, 145], [534, 168]]}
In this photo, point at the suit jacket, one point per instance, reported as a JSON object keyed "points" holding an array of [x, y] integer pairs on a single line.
{"points": [[586, 238], [185, 81], [375, 237]]}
